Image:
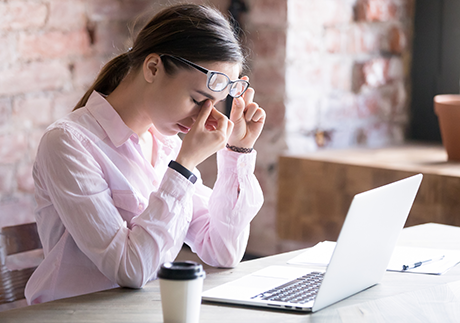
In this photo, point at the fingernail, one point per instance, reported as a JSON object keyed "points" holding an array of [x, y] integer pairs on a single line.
{"points": [[238, 102]]}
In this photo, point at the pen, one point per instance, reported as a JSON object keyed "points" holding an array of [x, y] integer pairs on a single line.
{"points": [[420, 263]]}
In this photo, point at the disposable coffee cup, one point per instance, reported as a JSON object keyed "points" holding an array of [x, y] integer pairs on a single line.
{"points": [[181, 284]]}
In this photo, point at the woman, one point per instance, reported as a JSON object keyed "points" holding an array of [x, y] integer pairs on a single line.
{"points": [[117, 191]]}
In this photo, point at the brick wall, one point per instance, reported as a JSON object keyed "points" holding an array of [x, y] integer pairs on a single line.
{"points": [[347, 72], [265, 27], [344, 66], [50, 52]]}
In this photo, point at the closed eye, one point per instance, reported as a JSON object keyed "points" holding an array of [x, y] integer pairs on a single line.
{"points": [[198, 103]]}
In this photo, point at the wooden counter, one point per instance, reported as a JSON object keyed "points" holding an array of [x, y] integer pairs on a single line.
{"points": [[315, 190]]}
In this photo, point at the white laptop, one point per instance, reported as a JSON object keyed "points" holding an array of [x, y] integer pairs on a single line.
{"points": [[363, 250]]}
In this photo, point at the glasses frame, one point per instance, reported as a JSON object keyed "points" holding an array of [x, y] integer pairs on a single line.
{"points": [[210, 74]]}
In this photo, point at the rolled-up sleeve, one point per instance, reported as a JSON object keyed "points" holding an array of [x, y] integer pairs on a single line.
{"points": [[220, 227]]}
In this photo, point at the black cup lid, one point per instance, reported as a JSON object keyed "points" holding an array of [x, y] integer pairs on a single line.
{"points": [[181, 270]]}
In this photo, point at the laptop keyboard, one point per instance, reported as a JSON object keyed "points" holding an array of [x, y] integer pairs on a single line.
{"points": [[298, 291]]}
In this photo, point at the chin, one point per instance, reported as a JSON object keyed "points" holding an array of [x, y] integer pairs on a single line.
{"points": [[168, 132]]}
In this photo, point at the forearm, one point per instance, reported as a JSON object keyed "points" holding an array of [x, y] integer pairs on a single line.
{"points": [[220, 237]]}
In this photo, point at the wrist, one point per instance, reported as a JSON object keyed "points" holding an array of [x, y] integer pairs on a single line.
{"points": [[183, 171], [242, 150], [187, 163]]}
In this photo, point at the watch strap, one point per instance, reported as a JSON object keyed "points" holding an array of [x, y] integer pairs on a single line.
{"points": [[183, 171]]}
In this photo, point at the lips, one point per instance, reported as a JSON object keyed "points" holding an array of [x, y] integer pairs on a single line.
{"points": [[183, 129]]}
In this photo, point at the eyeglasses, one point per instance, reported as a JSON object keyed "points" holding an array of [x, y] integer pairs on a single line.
{"points": [[217, 81]]}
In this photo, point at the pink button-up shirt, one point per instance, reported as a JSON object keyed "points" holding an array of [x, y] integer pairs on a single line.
{"points": [[107, 217]]}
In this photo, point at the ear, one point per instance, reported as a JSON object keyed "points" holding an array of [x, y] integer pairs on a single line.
{"points": [[150, 67]]}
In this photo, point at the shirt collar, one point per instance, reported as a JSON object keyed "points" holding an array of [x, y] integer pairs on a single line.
{"points": [[115, 128], [117, 131]]}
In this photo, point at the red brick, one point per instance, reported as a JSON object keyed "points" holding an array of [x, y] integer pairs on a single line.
{"points": [[385, 103], [103, 9], [111, 37], [5, 112], [268, 79], [380, 71], [376, 10], [39, 76], [54, 44], [13, 147], [32, 111], [100, 10], [86, 70], [275, 110], [20, 15], [394, 40], [270, 44], [8, 53], [358, 77], [66, 15], [267, 12]]}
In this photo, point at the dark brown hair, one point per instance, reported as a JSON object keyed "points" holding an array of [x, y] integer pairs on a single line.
{"points": [[195, 32]]}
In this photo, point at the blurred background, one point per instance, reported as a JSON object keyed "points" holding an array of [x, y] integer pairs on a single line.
{"points": [[331, 75]]}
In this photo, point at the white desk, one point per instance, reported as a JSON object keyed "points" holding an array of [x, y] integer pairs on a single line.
{"points": [[400, 297]]}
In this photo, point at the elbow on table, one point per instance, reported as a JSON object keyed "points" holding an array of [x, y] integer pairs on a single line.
{"points": [[228, 263], [132, 282]]}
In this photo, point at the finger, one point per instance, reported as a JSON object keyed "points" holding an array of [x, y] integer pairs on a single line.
{"points": [[248, 96], [220, 118], [259, 115], [229, 128], [205, 113], [250, 111], [237, 108]]}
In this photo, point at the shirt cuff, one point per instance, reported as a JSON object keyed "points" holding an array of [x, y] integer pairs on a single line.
{"points": [[228, 160], [176, 185]]}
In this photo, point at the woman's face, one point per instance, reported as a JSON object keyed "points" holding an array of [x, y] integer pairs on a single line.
{"points": [[174, 102]]}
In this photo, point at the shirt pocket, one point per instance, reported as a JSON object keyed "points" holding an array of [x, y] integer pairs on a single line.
{"points": [[128, 203]]}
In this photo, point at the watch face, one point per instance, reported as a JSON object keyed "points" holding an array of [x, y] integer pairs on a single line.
{"points": [[192, 178]]}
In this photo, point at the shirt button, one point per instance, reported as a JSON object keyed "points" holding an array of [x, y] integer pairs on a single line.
{"points": [[140, 207]]}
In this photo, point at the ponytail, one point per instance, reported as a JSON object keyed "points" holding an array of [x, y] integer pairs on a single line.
{"points": [[109, 78]]}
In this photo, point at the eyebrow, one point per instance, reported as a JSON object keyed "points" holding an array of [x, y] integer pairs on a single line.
{"points": [[209, 96]]}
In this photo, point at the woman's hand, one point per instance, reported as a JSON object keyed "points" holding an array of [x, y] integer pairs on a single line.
{"points": [[209, 133], [248, 118]]}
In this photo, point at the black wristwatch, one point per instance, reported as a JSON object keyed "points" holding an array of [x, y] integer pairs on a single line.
{"points": [[183, 171]]}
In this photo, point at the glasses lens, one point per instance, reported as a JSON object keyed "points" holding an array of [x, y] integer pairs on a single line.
{"points": [[238, 88], [218, 82]]}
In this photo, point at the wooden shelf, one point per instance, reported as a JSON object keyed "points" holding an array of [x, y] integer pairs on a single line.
{"points": [[316, 189]]}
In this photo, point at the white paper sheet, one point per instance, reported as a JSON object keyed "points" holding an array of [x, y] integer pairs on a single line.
{"points": [[321, 254]]}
